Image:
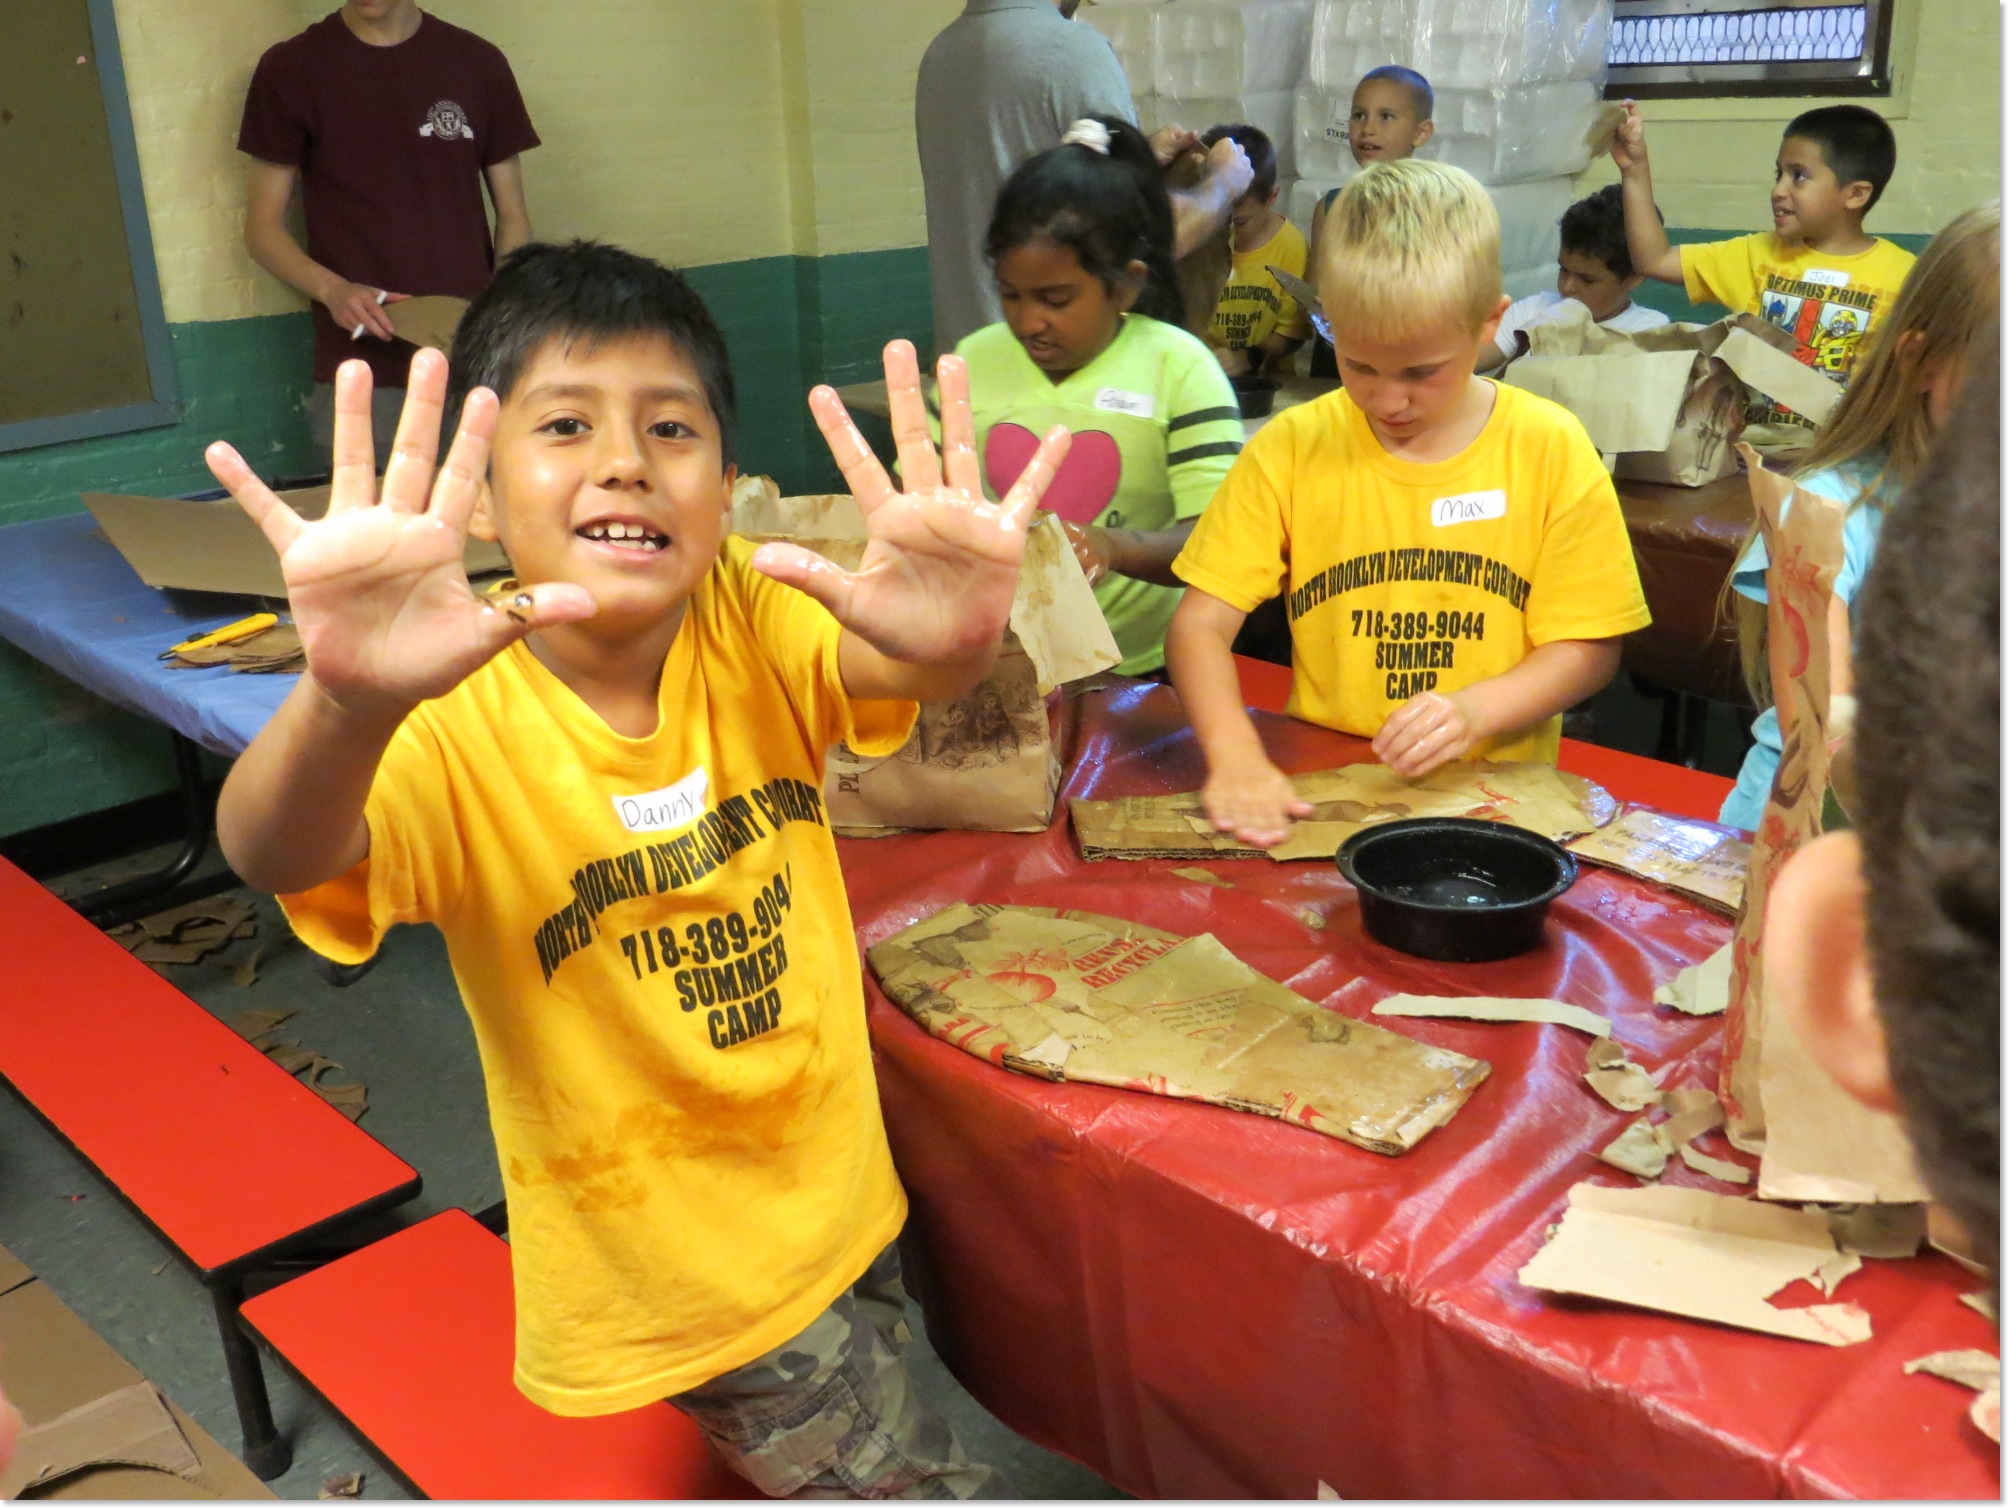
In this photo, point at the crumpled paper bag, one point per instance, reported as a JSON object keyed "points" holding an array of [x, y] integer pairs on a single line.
{"points": [[1668, 404], [1072, 996]]}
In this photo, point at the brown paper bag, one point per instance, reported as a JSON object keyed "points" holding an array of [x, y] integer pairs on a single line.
{"points": [[986, 761], [1072, 996], [1668, 403], [1535, 796], [1818, 1142]]}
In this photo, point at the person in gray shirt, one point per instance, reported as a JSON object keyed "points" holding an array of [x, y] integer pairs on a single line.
{"points": [[1002, 81]]}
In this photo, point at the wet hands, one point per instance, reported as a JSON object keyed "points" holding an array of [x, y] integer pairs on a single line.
{"points": [[940, 570], [1425, 733]]}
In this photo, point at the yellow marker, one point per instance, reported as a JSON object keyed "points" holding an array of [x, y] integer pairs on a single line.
{"points": [[229, 633]]}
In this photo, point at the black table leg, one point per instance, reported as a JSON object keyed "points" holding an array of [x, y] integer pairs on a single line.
{"points": [[265, 1451], [142, 895]]}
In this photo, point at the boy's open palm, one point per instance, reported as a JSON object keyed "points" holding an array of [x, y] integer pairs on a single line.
{"points": [[377, 586], [941, 567]]}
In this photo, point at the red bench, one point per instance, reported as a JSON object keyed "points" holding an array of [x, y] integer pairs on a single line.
{"points": [[411, 1341], [191, 1124]]}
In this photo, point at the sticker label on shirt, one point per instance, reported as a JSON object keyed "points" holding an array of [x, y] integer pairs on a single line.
{"points": [[1114, 400], [675, 805], [1468, 508], [1826, 276]]}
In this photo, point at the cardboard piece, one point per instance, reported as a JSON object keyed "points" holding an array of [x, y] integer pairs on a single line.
{"points": [[213, 546], [1641, 1149], [1691, 1253], [1491, 1008], [1619, 1081], [348, 1485], [84, 1404], [1668, 403], [1534, 796], [127, 1427], [1702, 861], [985, 761], [1717, 1167], [1819, 1143], [1701, 989], [428, 320], [1203, 876], [1982, 1304], [1978, 1370], [1986, 1413], [1070, 995]]}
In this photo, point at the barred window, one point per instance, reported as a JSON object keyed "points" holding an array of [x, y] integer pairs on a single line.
{"points": [[1680, 48]]}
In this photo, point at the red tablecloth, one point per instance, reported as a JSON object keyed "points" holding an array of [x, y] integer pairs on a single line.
{"points": [[1200, 1303]]}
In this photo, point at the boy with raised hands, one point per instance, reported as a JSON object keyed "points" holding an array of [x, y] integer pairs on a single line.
{"points": [[604, 787]]}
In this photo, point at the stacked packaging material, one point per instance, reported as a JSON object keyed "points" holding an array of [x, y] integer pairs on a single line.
{"points": [[1202, 63], [1518, 84]]}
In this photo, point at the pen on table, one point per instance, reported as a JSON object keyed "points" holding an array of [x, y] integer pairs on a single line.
{"points": [[243, 628], [357, 332]]}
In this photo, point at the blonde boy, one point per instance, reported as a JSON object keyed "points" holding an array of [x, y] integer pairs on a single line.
{"points": [[1451, 553]]}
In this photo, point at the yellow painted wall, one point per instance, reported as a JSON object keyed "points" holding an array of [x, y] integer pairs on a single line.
{"points": [[691, 130], [851, 81], [1712, 159]]}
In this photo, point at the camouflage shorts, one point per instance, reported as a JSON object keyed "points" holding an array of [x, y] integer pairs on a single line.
{"points": [[833, 1414]]}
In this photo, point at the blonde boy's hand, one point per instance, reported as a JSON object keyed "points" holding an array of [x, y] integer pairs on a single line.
{"points": [[377, 586], [1252, 800], [1425, 733], [941, 568], [1628, 147]]}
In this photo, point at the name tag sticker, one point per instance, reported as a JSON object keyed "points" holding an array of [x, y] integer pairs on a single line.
{"points": [[1827, 275], [1468, 508], [675, 805], [1113, 400]]}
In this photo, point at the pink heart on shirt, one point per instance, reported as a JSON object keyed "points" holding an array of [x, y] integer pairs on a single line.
{"points": [[1084, 485]]}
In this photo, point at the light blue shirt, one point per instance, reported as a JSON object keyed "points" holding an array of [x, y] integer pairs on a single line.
{"points": [[1859, 533]]}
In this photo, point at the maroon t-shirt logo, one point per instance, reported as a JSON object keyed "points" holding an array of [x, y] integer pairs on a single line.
{"points": [[447, 121]]}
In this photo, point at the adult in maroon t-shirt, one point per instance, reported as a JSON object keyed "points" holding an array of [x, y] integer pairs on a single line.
{"points": [[389, 120]]}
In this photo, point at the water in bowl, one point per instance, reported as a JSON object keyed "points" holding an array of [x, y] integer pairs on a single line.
{"points": [[1461, 889]]}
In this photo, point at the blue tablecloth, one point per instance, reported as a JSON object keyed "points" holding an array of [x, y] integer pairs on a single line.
{"points": [[70, 600]]}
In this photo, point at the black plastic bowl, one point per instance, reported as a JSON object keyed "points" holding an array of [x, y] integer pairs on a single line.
{"points": [[1453, 888], [1257, 395]]}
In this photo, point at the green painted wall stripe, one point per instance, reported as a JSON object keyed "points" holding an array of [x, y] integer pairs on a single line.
{"points": [[789, 322]]}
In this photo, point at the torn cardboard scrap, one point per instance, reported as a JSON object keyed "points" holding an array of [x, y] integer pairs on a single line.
{"points": [[1491, 1008], [275, 650], [1620, 1081], [985, 761], [1701, 989], [1537, 797], [1203, 876], [1889, 1231], [1643, 1148], [427, 320], [1700, 860], [190, 933], [1700, 1255], [127, 1427], [1069, 995], [1978, 1370]]}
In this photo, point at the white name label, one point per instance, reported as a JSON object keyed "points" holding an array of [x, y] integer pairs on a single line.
{"points": [[1826, 275], [673, 806], [1114, 400], [1468, 507]]}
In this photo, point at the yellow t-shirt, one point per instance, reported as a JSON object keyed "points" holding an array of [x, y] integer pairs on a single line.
{"points": [[652, 940], [1253, 305], [1825, 303], [1404, 577]]}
